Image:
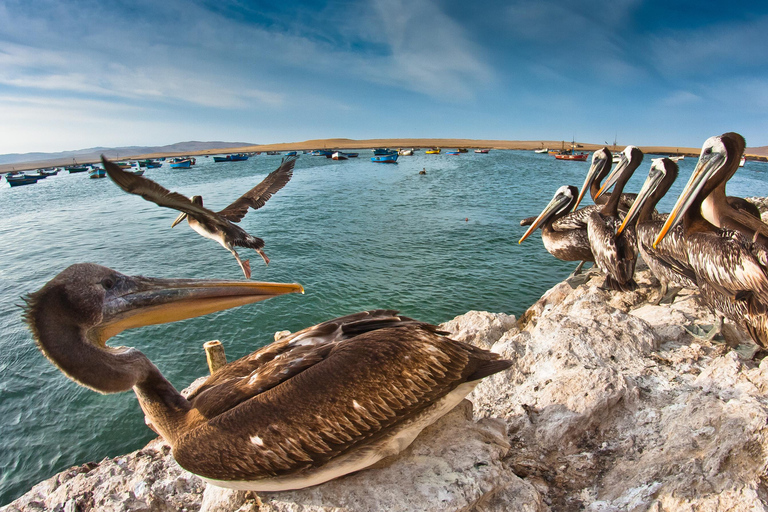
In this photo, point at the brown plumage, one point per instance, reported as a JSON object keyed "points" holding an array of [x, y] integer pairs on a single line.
{"points": [[218, 226], [323, 402]]}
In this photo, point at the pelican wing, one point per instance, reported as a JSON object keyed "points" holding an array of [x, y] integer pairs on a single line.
{"points": [[615, 255], [260, 194], [152, 191], [355, 395], [575, 220], [283, 359]]}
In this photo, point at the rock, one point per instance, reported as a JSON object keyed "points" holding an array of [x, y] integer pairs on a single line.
{"points": [[610, 405]]}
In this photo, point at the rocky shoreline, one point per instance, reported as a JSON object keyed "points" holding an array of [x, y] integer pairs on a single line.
{"points": [[611, 405]]}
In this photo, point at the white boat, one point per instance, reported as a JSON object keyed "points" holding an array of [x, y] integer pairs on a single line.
{"points": [[542, 150], [405, 152], [339, 156], [742, 161], [676, 158]]}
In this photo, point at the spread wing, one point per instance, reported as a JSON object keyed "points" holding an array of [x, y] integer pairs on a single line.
{"points": [[153, 192], [260, 194]]}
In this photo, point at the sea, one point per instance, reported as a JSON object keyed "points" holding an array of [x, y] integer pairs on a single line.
{"points": [[356, 234]]}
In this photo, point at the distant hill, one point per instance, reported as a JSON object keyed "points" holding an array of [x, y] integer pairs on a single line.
{"points": [[94, 153], [759, 151]]}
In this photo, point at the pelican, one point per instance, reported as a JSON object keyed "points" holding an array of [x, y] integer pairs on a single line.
{"points": [[615, 254], [730, 269], [600, 168], [218, 226], [731, 212], [669, 260], [568, 244], [320, 403]]}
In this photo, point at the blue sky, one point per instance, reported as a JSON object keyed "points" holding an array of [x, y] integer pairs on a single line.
{"points": [[78, 74]]}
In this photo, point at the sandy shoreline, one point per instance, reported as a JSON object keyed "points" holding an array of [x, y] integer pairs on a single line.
{"points": [[373, 143]]}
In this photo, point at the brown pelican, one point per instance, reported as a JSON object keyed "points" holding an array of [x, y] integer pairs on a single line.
{"points": [[218, 226], [569, 244], [323, 402], [615, 254], [730, 269], [600, 168], [669, 260], [731, 212]]}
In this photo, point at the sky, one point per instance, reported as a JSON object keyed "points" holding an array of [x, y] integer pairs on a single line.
{"points": [[82, 74]]}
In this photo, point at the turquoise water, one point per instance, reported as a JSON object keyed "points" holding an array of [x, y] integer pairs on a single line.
{"points": [[357, 235]]}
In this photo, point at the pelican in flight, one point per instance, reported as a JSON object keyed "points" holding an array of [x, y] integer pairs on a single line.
{"points": [[218, 226], [318, 404], [730, 268]]}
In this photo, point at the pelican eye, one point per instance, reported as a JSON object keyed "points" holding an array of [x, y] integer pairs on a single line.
{"points": [[108, 283]]}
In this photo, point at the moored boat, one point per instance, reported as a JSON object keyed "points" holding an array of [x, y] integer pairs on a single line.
{"points": [[291, 153], [541, 150], [239, 157], [385, 159], [338, 156], [97, 172], [433, 151], [483, 151], [181, 163], [405, 152], [463, 150], [383, 151], [576, 157], [453, 153], [16, 179], [321, 152]]}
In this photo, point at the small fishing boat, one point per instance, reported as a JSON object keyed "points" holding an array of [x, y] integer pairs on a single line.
{"points": [[463, 150], [339, 156], [231, 158], [154, 165], [433, 151], [321, 152], [742, 161], [405, 152], [575, 157], [351, 155], [383, 151], [16, 179], [385, 159], [97, 172], [136, 169], [291, 153], [178, 163], [453, 153], [541, 150], [485, 151]]}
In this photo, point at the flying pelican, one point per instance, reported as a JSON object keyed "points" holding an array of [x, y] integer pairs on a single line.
{"points": [[321, 403], [730, 269], [218, 226], [615, 254], [569, 244], [669, 260]]}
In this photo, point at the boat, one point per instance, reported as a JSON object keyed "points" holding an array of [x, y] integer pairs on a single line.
{"points": [[463, 150], [485, 151], [272, 153], [291, 153], [17, 179], [179, 163], [542, 150], [231, 158], [433, 151], [351, 155], [37, 174], [742, 161], [385, 159], [154, 165], [383, 151], [339, 156], [677, 158], [576, 157], [97, 172], [136, 169], [405, 152], [321, 152], [453, 153]]}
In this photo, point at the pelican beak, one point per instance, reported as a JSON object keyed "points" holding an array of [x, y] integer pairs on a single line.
{"points": [[610, 180], [180, 218], [708, 164], [139, 301], [554, 206], [598, 165], [651, 183]]}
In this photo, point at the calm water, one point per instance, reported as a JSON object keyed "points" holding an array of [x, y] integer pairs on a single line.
{"points": [[356, 234]]}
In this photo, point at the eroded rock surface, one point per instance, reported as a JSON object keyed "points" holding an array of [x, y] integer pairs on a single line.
{"points": [[611, 405]]}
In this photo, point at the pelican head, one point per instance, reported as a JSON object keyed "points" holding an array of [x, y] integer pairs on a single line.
{"points": [[198, 200], [629, 158], [601, 163], [560, 204], [75, 313], [719, 160], [661, 169]]}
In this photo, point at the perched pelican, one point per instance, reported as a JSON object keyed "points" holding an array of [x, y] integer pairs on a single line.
{"points": [[615, 254], [730, 269], [600, 168], [218, 226], [669, 260], [731, 212], [569, 244], [321, 403]]}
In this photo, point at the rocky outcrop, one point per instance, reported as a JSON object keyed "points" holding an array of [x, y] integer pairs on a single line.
{"points": [[611, 405]]}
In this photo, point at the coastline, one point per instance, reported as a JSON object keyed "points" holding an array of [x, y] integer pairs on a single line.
{"points": [[342, 143]]}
